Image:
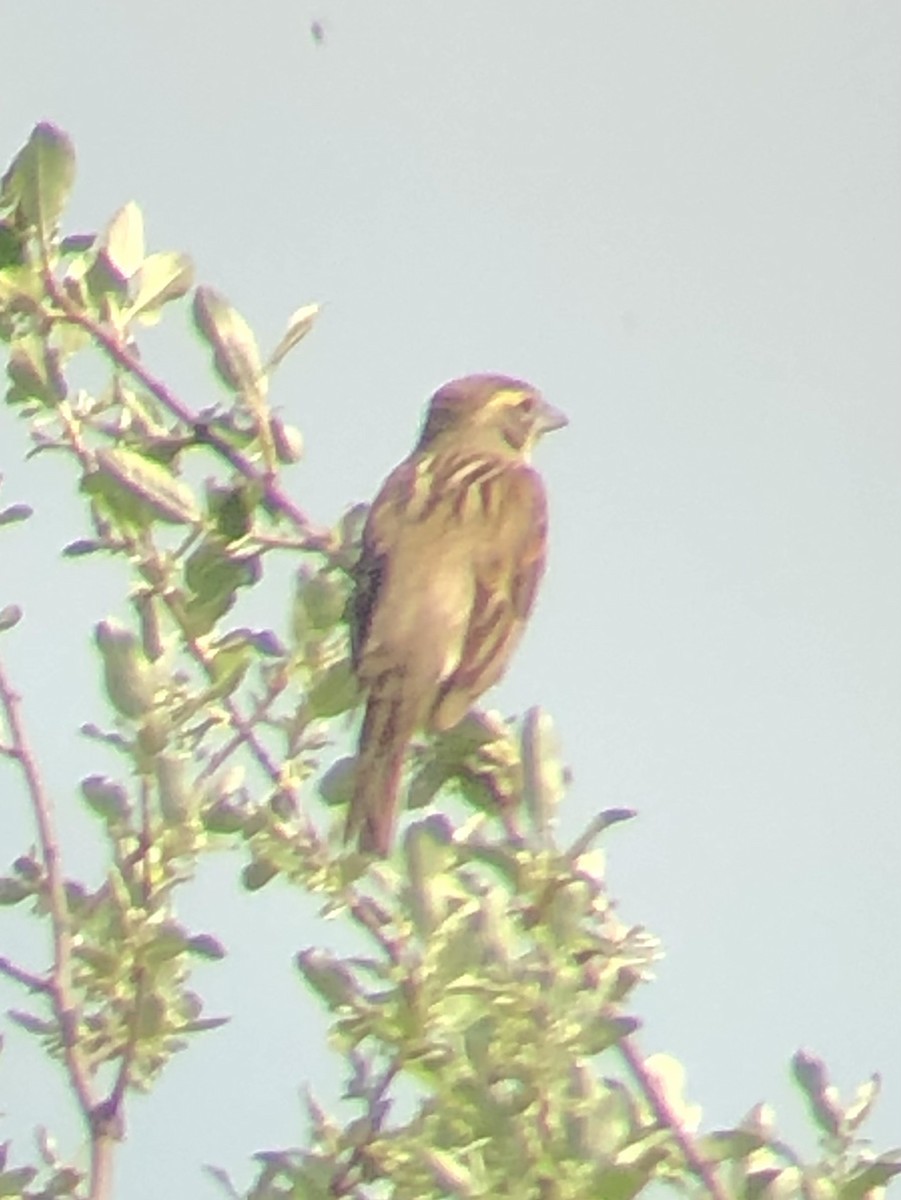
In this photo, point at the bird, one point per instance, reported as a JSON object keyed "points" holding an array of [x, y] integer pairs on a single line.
{"points": [[452, 552]]}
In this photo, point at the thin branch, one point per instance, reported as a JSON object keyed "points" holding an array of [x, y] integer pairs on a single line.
{"points": [[60, 989], [668, 1118], [341, 1184], [260, 711]]}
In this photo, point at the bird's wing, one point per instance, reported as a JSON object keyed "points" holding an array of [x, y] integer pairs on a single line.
{"points": [[414, 583], [510, 541], [383, 528]]}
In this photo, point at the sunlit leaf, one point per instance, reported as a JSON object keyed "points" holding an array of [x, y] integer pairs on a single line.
{"points": [[235, 352], [42, 175], [106, 797], [287, 440], [122, 242], [329, 978], [131, 682], [865, 1180], [163, 277], [34, 368], [12, 891], [299, 325], [810, 1074], [150, 483]]}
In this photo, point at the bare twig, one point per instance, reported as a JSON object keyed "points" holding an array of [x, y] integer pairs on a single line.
{"points": [[60, 987], [260, 711], [664, 1113]]}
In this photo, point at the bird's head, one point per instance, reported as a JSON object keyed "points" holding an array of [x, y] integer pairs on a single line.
{"points": [[495, 411]]}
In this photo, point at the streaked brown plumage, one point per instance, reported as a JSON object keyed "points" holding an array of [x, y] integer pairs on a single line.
{"points": [[453, 551]]}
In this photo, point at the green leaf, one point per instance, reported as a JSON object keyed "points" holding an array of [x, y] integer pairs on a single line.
{"points": [[152, 484], [602, 1032], [107, 289], [103, 962], [224, 817], [34, 368], [621, 1183], [214, 577], [14, 1183], [864, 1099], [865, 1181], [212, 572], [170, 941], [232, 510], [62, 1183], [235, 352], [42, 176], [335, 691], [12, 891], [204, 1024], [151, 1016], [12, 251], [229, 666], [299, 325], [729, 1144], [258, 873], [324, 597], [595, 827], [336, 785], [106, 798], [122, 242], [427, 782], [287, 440], [544, 775], [163, 277], [430, 856], [810, 1075], [179, 797], [131, 682], [759, 1182], [330, 979], [450, 1174]]}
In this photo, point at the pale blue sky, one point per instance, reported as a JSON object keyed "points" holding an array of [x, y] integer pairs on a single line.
{"points": [[681, 220]]}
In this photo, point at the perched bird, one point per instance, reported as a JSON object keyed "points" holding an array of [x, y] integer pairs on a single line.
{"points": [[453, 551]]}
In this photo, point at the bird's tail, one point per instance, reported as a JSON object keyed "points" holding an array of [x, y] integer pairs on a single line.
{"points": [[388, 726]]}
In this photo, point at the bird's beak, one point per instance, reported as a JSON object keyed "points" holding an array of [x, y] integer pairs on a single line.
{"points": [[548, 418]]}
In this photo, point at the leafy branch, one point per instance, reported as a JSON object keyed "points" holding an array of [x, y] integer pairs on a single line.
{"points": [[486, 1030]]}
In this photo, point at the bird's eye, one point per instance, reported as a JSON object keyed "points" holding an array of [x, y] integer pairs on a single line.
{"points": [[526, 405]]}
